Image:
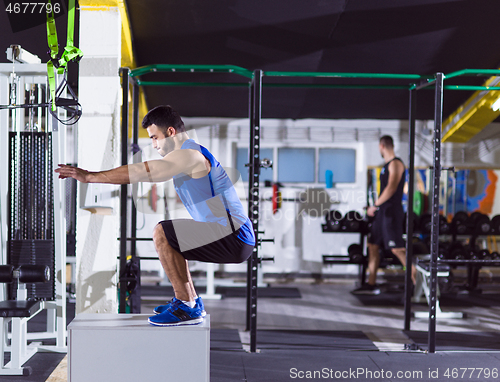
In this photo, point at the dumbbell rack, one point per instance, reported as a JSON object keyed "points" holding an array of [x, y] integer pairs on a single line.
{"points": [[345, 259], [444, 266], [473, 265]]}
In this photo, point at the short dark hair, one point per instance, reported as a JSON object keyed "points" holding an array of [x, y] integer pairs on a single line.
{"points": [[387, 141], [164, 116]]}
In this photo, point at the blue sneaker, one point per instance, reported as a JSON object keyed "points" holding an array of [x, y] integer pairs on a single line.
{"points": [[176, 314], [161, 308]]}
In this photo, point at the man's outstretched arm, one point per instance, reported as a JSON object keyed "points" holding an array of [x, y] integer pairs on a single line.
{"points": [[119, 175], [161, 170]]}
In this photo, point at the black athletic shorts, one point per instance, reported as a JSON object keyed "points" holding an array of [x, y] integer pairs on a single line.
{"points": [[387, 228], [205, 241]]}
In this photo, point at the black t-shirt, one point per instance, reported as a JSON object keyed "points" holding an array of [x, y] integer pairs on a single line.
{"points": [[395, 199]]}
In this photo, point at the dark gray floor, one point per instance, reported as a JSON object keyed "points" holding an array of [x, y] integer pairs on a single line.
{"points": [[334, 333], [330, 334], [288, 355]]}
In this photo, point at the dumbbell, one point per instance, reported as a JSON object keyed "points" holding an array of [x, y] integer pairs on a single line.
{"points": [[457, 251], [333, 220], [485, 254], [495, 224], [352, 221], [480, 223], [368, 223], [426, 224], [355, 252], [419, 247], [26, 273], [459, 223], [474, 254], [444, 249], [444, 225], [478, 254]]}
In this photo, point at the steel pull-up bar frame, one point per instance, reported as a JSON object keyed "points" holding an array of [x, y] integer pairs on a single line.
{"points": [[254, 81]]}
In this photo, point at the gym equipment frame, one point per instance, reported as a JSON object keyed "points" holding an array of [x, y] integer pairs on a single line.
{"points": [[255, 82], [47, 139]]}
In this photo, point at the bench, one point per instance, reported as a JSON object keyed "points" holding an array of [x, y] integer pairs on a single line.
{"points": [[422, 287], [18, 312]]}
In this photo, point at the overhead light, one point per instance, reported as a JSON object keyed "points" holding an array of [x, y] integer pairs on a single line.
{"points": [[496, 105]]}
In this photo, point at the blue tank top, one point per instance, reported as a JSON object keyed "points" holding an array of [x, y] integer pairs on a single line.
{"points": [[212, 198]]}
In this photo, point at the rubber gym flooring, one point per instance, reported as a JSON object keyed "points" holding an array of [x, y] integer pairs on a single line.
{"points": [[309, 330]]}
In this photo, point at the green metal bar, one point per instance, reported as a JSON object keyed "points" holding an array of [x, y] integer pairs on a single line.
{"points": [[191, 69], [460, 87], [345, 75], [455, 87], [474, 72], [313, 86], [469, 87], [335, 86], [248, 74], [307, 86], [196, 84]]}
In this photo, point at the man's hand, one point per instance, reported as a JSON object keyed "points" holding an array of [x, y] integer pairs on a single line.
{"points": [[370, 211], [79, 174]]}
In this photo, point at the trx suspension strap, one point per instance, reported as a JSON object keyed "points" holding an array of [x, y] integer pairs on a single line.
{"points": [[70, 53]]}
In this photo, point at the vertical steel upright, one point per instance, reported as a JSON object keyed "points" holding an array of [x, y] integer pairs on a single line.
{"points": [[135, 264], [438, 121], [250, 201], [56, 318], [124, 193], [409, 208], [135, 142], [253, 202]]}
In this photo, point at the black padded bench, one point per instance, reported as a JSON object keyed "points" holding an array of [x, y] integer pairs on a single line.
{"points": [[18, 313], [15, 308]]}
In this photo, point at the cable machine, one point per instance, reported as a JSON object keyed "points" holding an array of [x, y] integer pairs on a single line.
{"points": [[32, 211], [256, 84]]}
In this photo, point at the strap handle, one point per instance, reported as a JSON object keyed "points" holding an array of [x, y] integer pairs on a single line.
{"points": [[70, 53]]}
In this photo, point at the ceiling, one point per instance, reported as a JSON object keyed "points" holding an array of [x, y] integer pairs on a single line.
{"points": [[367, 36], [382, 36]]}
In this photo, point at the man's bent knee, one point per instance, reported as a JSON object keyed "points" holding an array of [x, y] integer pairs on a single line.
{"points": [[159, 233]]}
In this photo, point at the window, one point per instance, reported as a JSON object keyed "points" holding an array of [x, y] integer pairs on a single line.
{"points": [[296, 165], [242, 159], [342, 162]]}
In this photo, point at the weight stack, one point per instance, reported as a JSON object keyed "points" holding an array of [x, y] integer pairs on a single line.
{"points": [[31, 208], [31, 191], [34, 252]]}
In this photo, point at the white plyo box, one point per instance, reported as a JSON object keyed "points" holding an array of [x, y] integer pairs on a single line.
{"points": [[126, 348]]}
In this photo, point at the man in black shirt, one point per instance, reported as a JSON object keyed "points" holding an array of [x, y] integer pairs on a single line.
{"points": [[387, 226]]}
